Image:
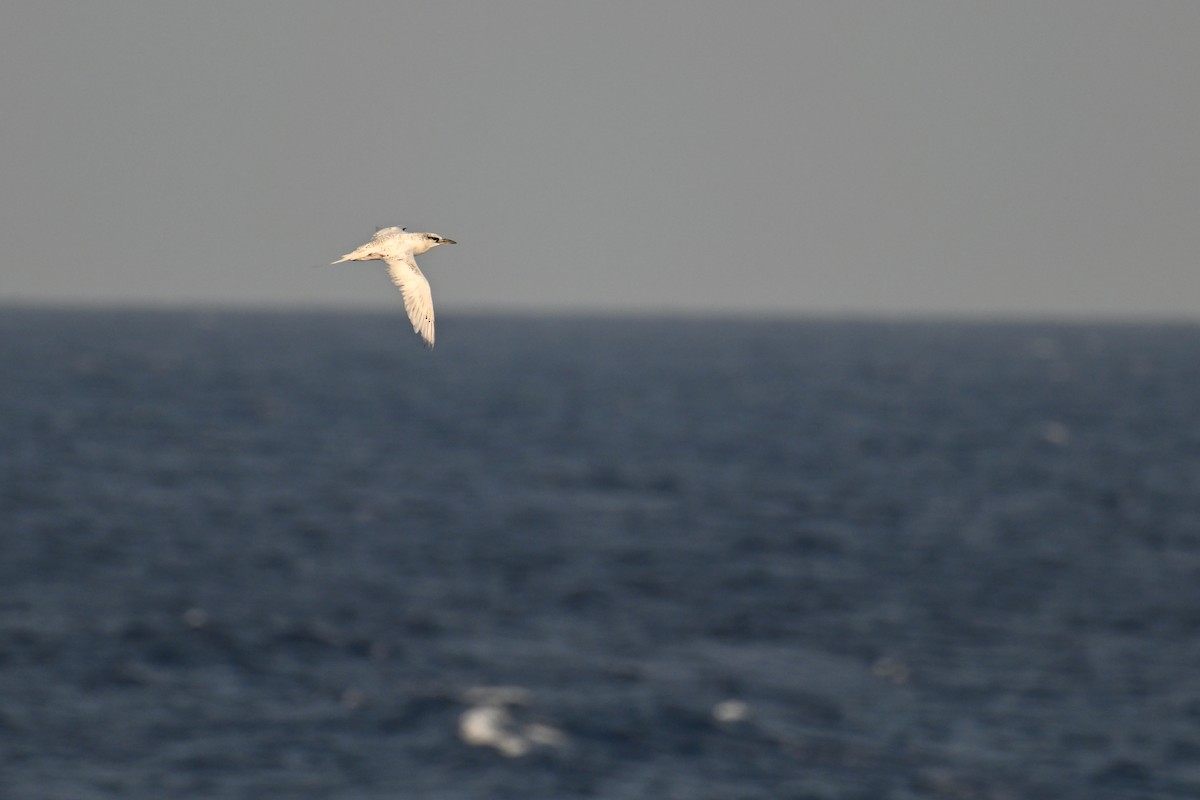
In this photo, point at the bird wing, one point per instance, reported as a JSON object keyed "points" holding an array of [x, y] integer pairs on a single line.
{"points": [[418, 301]]}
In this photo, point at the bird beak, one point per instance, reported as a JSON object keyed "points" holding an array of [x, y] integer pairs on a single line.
{"points": [[447, 241]]}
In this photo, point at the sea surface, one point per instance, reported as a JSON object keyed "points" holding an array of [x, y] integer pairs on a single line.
{"points": [[297, 555]]}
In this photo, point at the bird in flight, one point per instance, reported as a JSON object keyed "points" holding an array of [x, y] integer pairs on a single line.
{"points": [[398, 249]]}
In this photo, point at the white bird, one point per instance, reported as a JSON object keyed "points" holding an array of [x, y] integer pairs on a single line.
{"points": [[398, 249]]}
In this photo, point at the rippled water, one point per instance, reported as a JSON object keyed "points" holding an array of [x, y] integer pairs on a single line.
{"points": [[295, 555]]}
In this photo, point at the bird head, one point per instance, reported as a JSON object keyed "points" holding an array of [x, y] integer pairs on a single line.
{"points": [[428, 241]]}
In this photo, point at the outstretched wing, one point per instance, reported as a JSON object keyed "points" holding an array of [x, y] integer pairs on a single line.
{"points": [[418, 301], [384, 233]]}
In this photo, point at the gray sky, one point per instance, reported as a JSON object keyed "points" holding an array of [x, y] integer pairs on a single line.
{"points": [[949, 157]]}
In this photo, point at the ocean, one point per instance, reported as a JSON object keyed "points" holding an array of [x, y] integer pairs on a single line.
{"points": [[297, 555]]}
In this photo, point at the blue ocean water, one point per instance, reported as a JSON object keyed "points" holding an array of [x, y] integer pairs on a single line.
{"points": [[260, 555]]}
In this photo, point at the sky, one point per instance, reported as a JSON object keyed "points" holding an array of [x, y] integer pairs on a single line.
{"points": [[981, 159]]}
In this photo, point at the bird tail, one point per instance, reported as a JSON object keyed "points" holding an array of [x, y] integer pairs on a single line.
{"points": [[364, 253]]}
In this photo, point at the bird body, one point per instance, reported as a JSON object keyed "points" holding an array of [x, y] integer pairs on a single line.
{"points": [[398, 249]]}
